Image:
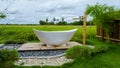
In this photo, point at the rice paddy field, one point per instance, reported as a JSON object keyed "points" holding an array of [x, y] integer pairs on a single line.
{"points": [[25, 32], [107, 59]]}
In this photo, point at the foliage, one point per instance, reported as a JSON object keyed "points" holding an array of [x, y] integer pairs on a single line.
{"points": [[79, 51], [2, 15], [104, 16], [76, 23], [46, 20], [51, 23], [18, 41], [87, 51], [7, 58], [54, 19], [62, 18], [97, 12], [98, 9], [61, 23], [42, 22]]}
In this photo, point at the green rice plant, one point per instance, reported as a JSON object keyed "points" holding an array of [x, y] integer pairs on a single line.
{"points": [[25, 32]]}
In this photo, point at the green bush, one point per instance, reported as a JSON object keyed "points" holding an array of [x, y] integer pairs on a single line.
{"points": [[19, 41], [85, 51], [79, 51], [7, 58]]}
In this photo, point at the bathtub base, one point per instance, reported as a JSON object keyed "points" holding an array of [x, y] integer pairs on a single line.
{"points": [[41, 46], [57, 45]]}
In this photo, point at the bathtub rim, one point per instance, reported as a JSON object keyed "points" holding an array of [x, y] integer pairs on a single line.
{"points": [[75, 29]]}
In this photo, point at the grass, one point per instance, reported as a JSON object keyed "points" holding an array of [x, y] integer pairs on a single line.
{"points": [[25, 32], [107, 59]]}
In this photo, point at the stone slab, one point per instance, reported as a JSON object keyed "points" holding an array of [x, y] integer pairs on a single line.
{"points": [[40, 46], [30, 46]]}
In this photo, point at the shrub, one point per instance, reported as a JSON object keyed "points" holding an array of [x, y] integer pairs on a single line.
{"points": [[19, 41], [79, 51], [7, 58], [85, 51]]}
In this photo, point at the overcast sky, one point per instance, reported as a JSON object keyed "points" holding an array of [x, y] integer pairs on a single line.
{"points": [[31, 11]]}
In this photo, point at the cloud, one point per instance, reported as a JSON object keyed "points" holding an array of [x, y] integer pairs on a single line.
{"points": [[69, 15], [50, 10], [12, 11], [33, 10]]}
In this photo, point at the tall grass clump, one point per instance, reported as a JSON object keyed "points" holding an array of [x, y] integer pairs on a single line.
{"points": [[8, 58], [84, 51], [79, 51]]}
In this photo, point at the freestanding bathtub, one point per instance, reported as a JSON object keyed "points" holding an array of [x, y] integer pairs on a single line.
{"points": [[54, 37]]}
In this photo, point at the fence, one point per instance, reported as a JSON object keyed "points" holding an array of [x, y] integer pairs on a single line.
{"points": [[114, 35]]}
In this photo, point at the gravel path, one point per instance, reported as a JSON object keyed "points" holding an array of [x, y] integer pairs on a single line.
{"points": [[55, 61]]}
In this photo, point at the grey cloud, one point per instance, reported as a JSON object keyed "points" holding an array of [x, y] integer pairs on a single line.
{"points": [[67, 7], [46, 10], [13, 11], [27, 10], [55, 9]]}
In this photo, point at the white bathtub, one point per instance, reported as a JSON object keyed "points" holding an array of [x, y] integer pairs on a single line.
{"points": [[54, 37]]}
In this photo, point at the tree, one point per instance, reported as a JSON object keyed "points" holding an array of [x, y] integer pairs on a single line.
{"points": [[51, 23], [76, 23], [46, 20], [2, 15], [62, 19], [54, 19], [42, 22], [62, 23], [103, 16]]}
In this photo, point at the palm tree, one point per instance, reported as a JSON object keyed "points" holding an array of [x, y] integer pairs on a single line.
{"points": [[46, 20], [54, 19], [62, 18]]}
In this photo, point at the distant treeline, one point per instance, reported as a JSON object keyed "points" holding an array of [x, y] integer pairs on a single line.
{"points": [[62, 22], [55, 22], [41, 22]]}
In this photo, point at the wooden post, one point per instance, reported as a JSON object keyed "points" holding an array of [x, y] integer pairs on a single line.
{"points": [[84, 29]]}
